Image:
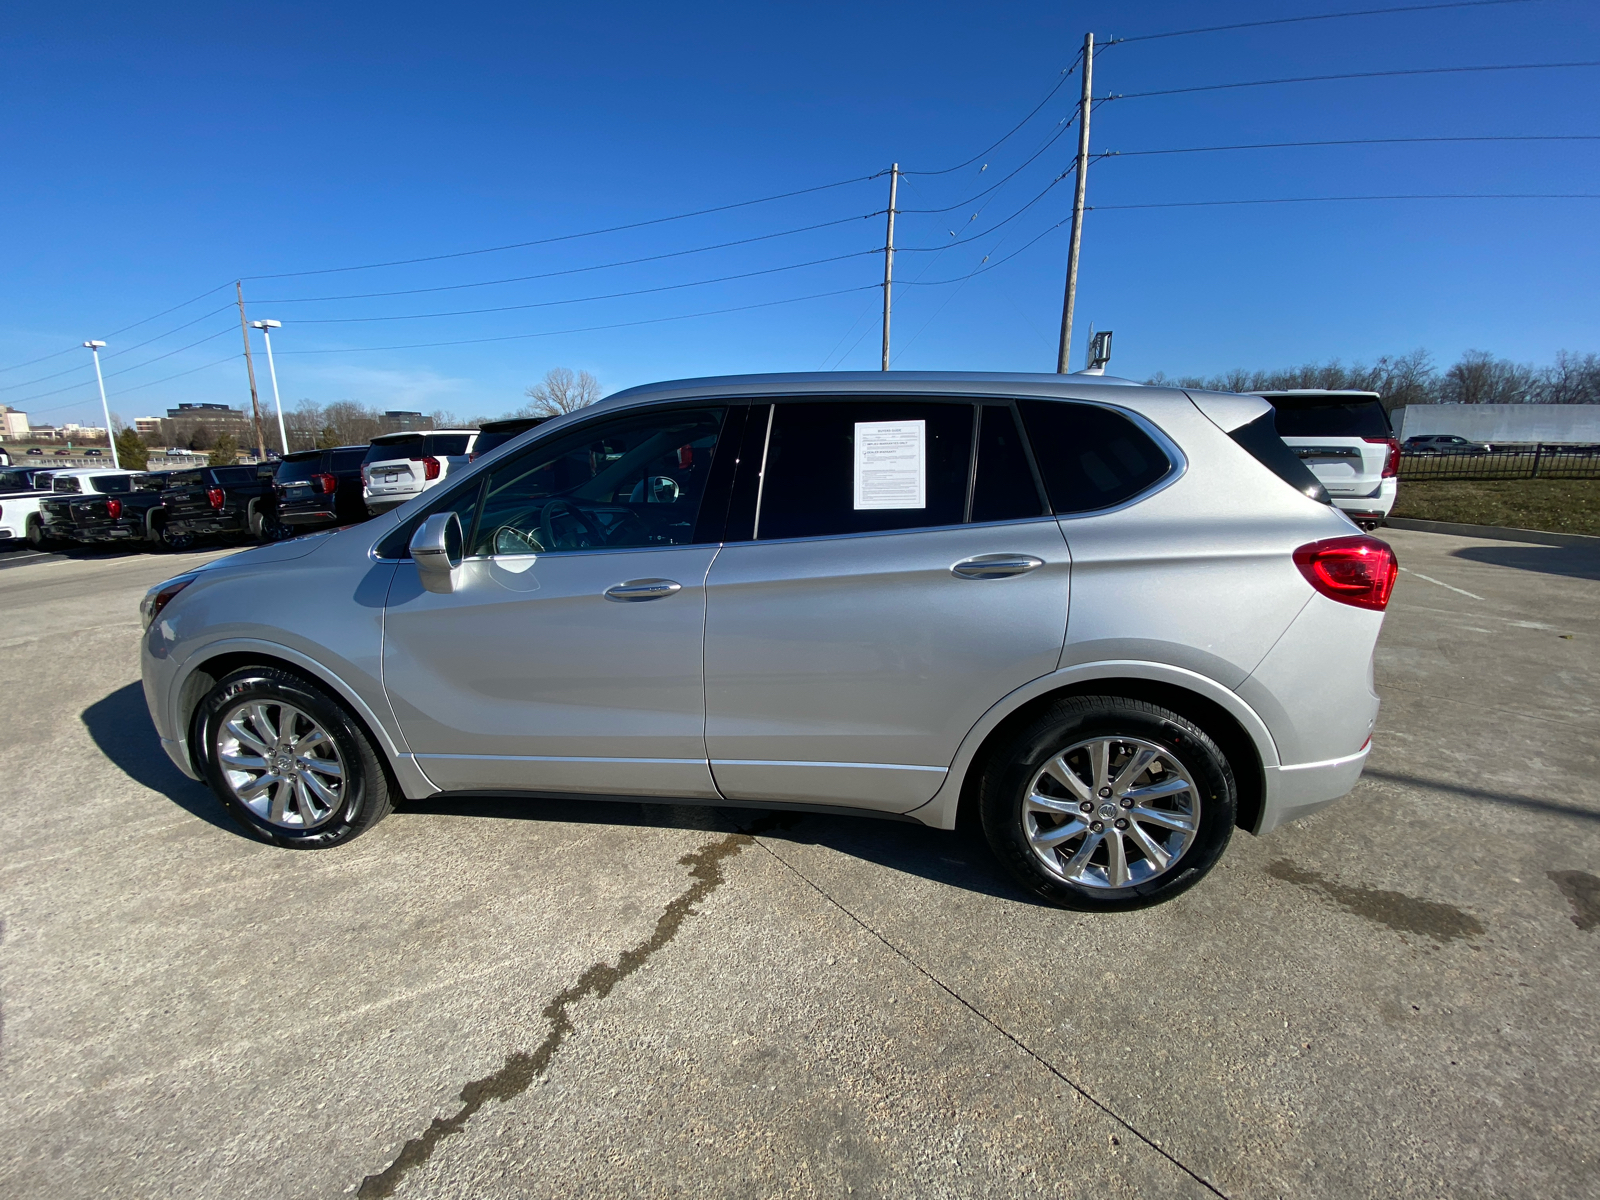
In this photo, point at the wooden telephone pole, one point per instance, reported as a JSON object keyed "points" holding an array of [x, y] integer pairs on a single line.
{"points": [[1065, 350], [888, 260], [255, 402]]}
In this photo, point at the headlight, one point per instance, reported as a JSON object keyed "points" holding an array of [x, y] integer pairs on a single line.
{"points": [[160, 596]]}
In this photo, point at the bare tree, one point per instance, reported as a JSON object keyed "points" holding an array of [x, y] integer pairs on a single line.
{"points": [[560, 392]]}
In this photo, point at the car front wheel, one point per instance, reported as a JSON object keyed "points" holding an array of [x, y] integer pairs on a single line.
{"points": [[287, 761], [1106, 803]]}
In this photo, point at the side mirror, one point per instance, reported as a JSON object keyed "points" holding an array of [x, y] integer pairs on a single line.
{"points": [[436, 549]]}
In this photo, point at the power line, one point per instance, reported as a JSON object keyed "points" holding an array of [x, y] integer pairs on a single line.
{"points": [[567, 237], [1555, 137], [1065, 125], [125, 350], [669, 287], [154, 382], [1363, 12], [589, 328], [40, 359], [134, 367], [1065, 75], [627, 262], [1220, 87], [1334, 199], [112, 334], [165, 311], [997, 225]]}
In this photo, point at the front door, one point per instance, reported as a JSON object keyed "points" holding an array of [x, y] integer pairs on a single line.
{"points": [[889, 595], [569, 656]]}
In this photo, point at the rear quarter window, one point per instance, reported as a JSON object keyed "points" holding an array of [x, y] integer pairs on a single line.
{"points": [[1090, 457]]}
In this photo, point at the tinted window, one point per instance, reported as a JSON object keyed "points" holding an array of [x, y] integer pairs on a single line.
{"points": [[409, 446], [16, 481], [635, 481], [1260, 437], [348, 460], [1319, 417], [67, 483], [864, 465], [150, 483], [1090, 457], [112, 484], [179, 479], [1004, 489], [298, 469], [446, 444], [491, 437], [233, 475]]}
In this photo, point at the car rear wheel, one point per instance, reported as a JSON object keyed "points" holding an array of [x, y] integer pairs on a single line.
{"points": [[37, 538], [288, 762], [174, 539], [1106, 803]]}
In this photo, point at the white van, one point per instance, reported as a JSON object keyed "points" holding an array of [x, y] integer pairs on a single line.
{"points": [[400, 466]]}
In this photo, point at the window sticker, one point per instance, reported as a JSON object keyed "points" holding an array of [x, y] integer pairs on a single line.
{"points": [[891, 464]]}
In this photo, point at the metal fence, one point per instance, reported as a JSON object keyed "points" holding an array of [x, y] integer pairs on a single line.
{"points": [[1519, 462]]}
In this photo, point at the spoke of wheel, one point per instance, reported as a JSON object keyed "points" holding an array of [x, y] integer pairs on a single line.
{"points": [[258, 785], [305, 801], [315, 738], [322, 766], [1153, 791], [1054, 837], [319, 790], [243, 762], [1074, 867], [240, 730], [1058, 770], [1166, 820], [280, 800], [1116, 859], [264, 726], [288, 718], [1159, 858], [1039, 802], [1100, 763], [1135, 768]]}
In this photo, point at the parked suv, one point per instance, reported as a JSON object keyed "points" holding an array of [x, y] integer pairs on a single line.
{"points": [[315, 488], [1345, 438], [842, 590], [238, 501], [401, 466]]}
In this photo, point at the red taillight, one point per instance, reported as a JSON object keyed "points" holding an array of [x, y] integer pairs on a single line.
{"points": [[1391, 460], [430, 467], [214, 497], [1357, 570], [113, 509], [327, 483]]}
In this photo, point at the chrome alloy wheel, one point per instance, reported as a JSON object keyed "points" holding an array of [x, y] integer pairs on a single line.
{"points": [[1110, 812], [281, 764]]}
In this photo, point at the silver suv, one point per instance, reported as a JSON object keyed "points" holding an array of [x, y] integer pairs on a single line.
{"points": [[1111, 622]]}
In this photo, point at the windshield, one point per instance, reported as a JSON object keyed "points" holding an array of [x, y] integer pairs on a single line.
{"points": [[409, 446], [1324, 416], [298, 470]]}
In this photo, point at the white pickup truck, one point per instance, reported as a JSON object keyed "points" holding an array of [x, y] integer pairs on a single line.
{"points": [[19, 510]]}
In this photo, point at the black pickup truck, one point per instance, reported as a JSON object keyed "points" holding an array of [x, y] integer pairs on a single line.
{"points": [[320, 487], [230, 501], [117, 508]]}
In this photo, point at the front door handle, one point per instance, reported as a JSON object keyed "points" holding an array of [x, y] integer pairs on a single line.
{"points": [[635, 590], [995, 566]]}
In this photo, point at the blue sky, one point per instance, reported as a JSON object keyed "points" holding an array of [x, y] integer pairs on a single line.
{"points": [[151, 153]]}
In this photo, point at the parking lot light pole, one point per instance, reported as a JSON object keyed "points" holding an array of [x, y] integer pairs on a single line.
{"points": [[94, 348], [266, 328]]}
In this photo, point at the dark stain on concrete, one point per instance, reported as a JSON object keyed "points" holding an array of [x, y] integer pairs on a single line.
{"points": [[521, 1068], [1582, 891], [1398, 911]]}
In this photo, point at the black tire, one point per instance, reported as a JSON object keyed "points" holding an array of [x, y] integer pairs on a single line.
{"points": [[1181, 751], [37, 537], [175, 540], [364, 797]]}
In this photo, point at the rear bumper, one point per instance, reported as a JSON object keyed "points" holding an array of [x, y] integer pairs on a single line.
{"points": [[1375, 507], [198, 525], [383, 504], [320, 516], [1300, 790]]}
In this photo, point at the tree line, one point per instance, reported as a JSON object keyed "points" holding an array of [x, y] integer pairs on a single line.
{"points": [[1477, 377]]}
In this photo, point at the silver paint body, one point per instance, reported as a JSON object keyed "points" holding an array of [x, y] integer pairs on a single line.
{"points": [[856, 671]]}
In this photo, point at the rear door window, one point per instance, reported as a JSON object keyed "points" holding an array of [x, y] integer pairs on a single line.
{"points": [[863, 466], [1321, 417], [1003, 487], [1090, 457]]}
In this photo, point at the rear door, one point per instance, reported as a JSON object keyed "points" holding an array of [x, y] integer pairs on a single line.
{"points": [[884, 593]]}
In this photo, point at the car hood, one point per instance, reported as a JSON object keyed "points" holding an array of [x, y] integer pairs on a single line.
{"points": [[274, 551]]}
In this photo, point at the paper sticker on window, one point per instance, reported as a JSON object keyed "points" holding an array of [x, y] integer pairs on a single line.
{"points": [[891, 458]]}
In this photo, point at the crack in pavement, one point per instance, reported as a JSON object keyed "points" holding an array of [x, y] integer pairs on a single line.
{"points": [[992, 1023], [521, 1068]]}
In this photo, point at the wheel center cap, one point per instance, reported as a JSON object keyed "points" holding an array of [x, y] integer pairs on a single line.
{"points": [[1107, 811], [282, 763]]}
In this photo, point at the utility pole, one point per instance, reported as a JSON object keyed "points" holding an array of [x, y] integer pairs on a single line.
{"points": [[255, 403], [888, 260], [1077, 207], [94, 348], [266, 328]]}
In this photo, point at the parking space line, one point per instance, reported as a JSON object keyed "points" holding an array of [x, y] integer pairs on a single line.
{"points": [[1441, 583]]}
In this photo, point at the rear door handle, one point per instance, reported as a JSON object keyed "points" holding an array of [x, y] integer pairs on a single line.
{"points": [[635, 590], [995, 566]]}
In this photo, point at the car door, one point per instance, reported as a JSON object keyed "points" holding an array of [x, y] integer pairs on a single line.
{"points": [[569, 656], [887, 591]]}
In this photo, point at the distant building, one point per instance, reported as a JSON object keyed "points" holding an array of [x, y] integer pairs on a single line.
{"points": [[147, 426], [74, 432], [398, 421], [15, 424], [205, 423]]}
